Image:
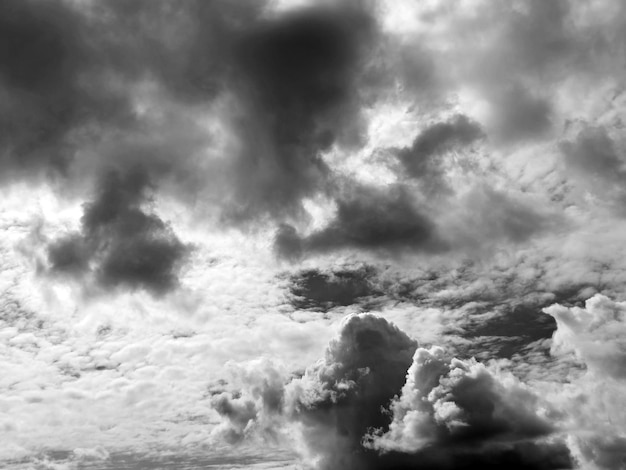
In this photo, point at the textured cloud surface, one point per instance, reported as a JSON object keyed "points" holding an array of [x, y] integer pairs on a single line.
{"points": [[367, 234]]}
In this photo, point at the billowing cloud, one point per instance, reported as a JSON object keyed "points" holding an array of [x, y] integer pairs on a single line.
{"points": [[378, 401], [595, 335], [449, 406], [324, 290], [338, 399]]}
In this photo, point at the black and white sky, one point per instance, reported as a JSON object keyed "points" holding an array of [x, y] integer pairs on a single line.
{"points": [[311, 234]]}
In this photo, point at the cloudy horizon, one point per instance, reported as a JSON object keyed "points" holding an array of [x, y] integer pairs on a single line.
{"points": [[321, 235]]}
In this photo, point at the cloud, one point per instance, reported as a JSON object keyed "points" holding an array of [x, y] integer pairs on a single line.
{"points": [[50, 85], [338, 399], [519, 115], [377, 219], [593, 161], [317, 289], [378, 401], [130, 72], [595, 335], [422, 159], [299, 74], [120, 243], [449, 406]]}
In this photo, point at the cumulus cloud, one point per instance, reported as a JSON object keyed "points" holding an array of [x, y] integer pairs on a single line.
{"points": [[378, 401], [120, 243], [448, 406], [595, 335], [338, 399]]}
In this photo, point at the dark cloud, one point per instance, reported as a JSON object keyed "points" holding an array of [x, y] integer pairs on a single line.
{"points": [[120, 242], [300, 73], [50, 86], [375, 219], [315, 289], [593, 155], [71, 75], [339, 399], [420, 160]]}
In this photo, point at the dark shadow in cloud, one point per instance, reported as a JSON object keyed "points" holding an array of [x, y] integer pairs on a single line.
{"points": [[121, 243], [384, 220], [299, 73], [420, 160], [317, 290]]}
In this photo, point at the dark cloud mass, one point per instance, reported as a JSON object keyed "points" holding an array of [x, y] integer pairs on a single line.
{"points": [[375, 219], [319, 290], [120, 242], [300, 73], [420, 160]]}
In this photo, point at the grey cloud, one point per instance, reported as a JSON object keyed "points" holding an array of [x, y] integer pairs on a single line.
{"points": [[422, 160], [375, 219], [49, 86], [120, 242], [316, 289], [593, 153], [520, 115], [69, 73], [593, 160], [300, 74], [501, 216]]}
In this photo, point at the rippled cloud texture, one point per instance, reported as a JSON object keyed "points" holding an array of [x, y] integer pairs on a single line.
{"points": [[319, 235]]}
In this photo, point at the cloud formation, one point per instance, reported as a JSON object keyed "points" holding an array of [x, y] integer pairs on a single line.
{"points": [[377, 401], [421, 160], [120, 243], [595, 335]]}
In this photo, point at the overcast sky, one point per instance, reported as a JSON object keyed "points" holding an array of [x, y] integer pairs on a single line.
{"points": [[289, 234]]}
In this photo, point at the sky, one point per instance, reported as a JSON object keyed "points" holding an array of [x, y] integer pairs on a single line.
{"points": [[313, 235]]}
